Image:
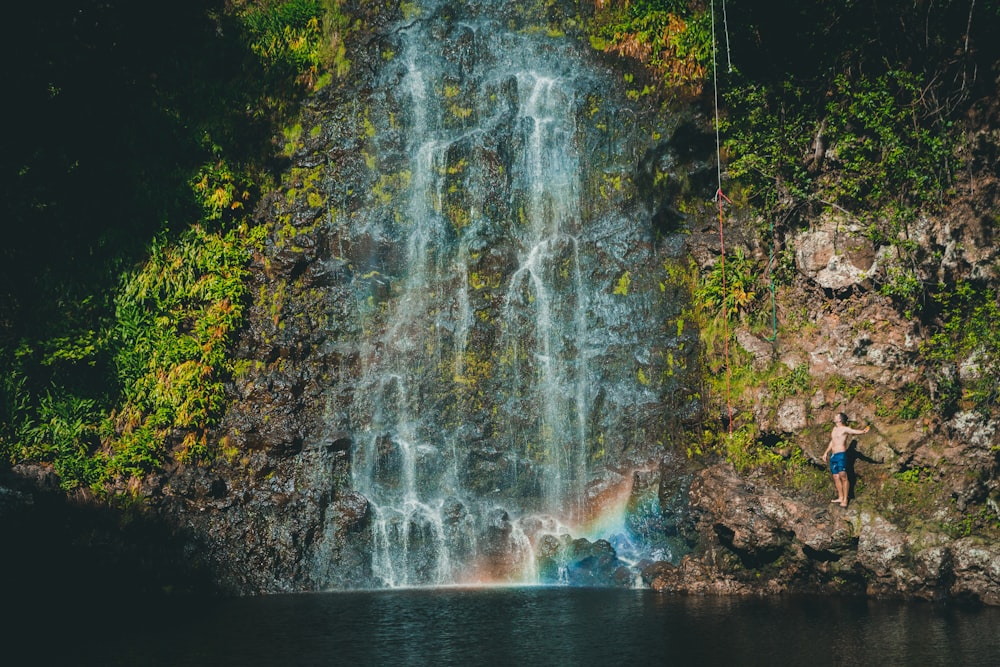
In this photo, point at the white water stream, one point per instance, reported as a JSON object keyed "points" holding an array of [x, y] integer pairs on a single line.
{"points": [[486, 398]]}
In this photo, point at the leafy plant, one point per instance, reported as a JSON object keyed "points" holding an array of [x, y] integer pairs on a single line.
{"points": [[221, 191], [670, 40], [175, 316], [875, 149], [966, 333], [287, 36], [976, 520], [789, 383], [910, 494], [730, 287], [299, 38], [114, 341], [65, 432], [744, 450], [766, 132]]}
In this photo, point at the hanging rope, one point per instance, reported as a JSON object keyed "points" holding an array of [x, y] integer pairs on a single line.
{"points": [[770, 263], [715, 76], [770, 276], [721, 198], [725, 29]]}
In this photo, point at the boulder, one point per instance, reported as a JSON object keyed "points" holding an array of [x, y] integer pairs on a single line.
{"points": [[834, 255], [748, 520], [792, 416], [976, 570], [594, 564], [761, 350], [883, 550]]}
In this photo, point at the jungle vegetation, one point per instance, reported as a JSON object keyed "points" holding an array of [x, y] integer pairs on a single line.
{"points": [[134, 157]]}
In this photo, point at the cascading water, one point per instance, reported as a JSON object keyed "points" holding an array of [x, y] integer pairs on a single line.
{"points": [[504, 387]]}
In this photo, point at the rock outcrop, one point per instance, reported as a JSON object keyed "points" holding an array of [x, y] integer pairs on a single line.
{"points": [[757, 540]]}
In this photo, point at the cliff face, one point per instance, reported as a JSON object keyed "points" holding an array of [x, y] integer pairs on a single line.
{"points": [[741, 513], [748, 517], [922, 521], [464, 333]]}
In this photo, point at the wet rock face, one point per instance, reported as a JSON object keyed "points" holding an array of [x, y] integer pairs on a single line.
{"points": [[594, 564], [507, 299], [457, 322], [760, 526], [975, 565], [580, 562]]}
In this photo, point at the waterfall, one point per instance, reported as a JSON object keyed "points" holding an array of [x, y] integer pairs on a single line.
{"points": [[497, 403]]}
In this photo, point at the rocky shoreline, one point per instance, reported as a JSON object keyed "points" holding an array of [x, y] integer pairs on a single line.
{"points": [[754, 540]]}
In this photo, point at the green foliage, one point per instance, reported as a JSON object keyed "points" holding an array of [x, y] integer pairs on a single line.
{"points": [[726, 294], [911, 402], [911, 476], [967, 333], [286, 36], [884, 142], [981, 520], [902, 283], [893, 161], [801, 474], [730, 287], [14, 405], [65, 432], [910, 494], [872, 138], [115, 335], [886, 157], [849, 389], [766, 132], [221, 191], [742, 448], [886, 148], [175, 317], [621, 287], [298, 38], [791, 383], [671, 40]]}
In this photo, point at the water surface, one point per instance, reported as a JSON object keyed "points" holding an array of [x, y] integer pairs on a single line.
{"points": [[540, 626]]}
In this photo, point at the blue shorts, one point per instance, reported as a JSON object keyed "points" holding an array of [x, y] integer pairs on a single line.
{"points": [[838, 462]]}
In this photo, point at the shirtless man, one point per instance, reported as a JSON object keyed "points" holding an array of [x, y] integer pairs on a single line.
{"points": [[837, 450]]}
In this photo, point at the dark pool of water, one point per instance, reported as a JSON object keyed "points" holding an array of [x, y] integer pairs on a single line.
{"points": [[525, 626]]}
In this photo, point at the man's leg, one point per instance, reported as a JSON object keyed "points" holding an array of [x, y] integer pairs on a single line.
{"points": [[842, 488]]}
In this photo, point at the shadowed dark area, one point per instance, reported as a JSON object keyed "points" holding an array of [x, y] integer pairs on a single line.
{"points": [[110, 107], [70, 568]]}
